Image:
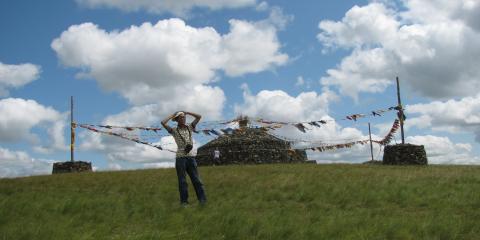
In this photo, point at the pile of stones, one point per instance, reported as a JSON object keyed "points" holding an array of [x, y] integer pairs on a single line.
{"points": [[405, 154], [69, 167]]}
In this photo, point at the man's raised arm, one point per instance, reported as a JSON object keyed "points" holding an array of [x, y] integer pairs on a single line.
{"points": [[196, 120], [165, 121]]}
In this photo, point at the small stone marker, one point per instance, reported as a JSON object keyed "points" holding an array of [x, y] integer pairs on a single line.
{"points": [[70, 167]]}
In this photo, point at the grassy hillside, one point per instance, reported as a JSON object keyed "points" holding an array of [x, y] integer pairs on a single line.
{"points": [[300, 201]]}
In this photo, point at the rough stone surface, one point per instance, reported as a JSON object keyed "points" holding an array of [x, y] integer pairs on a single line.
{"points": [[405, 154], [69, 167], [373, 162], [249, 146]]}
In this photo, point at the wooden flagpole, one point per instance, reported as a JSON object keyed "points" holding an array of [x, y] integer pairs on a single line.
{"points": [[72, 131], [371, 145], [400, 111]]}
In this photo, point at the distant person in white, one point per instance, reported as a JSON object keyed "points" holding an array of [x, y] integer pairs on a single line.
{"points": [[216, 156]]}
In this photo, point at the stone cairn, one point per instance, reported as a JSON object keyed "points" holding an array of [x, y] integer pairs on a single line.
{"points": [[405, 154], [249, 146], [70, 167]]}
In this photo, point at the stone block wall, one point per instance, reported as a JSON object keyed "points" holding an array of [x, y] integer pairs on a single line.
{"points": [[69, 167], [249, 147], [405, 154]]}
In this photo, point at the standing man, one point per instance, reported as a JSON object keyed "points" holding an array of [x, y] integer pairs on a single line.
{"points": [[185, 161]]}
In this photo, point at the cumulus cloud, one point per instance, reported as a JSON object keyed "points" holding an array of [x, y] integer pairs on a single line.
{"points": [[452, 116], [144, 63], [20, 117], [280, 106], [307, 106], [15, 76], [441, 150], [179, 8], [166, 67], [203, 99], [262, 6], [20, 164], [251, 48], [431, 45], [120, 151], [300, 81], [131, 152]]}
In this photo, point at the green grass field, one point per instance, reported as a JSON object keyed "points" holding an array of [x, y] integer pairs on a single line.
{"points": [[280, 201]]}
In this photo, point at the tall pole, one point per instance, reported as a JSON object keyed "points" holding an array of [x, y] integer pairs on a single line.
{"points": [[72, 130], [371, 145], [400, 111]]}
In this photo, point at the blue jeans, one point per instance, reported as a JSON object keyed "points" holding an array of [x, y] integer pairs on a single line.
{"points": [[189, 165]]}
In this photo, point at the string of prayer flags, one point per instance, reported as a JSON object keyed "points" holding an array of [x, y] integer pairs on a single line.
{"points": [[374, 113], [215, 132], [260, 120], [355, 116], [128, 128], [272, 125], [386, 140], [337, 146], [93, 129], [227, 130], [300, 127]]}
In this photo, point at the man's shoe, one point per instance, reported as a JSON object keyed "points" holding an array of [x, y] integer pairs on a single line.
{"points": [[184, 205]]}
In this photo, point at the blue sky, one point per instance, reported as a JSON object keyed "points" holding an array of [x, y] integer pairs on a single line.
{"points": [[135, 62]]}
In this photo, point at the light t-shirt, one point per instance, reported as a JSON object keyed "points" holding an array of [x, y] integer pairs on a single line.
{"points": [[216, 154]]}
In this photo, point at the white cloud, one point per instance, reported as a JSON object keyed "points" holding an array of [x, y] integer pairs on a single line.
{"points": [[20, 116], [20, 164], [160, 69], [15, 76], [280, 106], [440, 150], [179, 8], [366, 25], [137, 153], [119, 151], [208, 101], [431, 45], [307, 106], [363, 71], [114, 166], [160, 165], [263, 6], [144, 63], [453, 115], [251, 48], [300, 81]]}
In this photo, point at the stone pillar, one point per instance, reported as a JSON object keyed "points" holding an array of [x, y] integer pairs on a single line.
{"points": [[405, 154]]}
